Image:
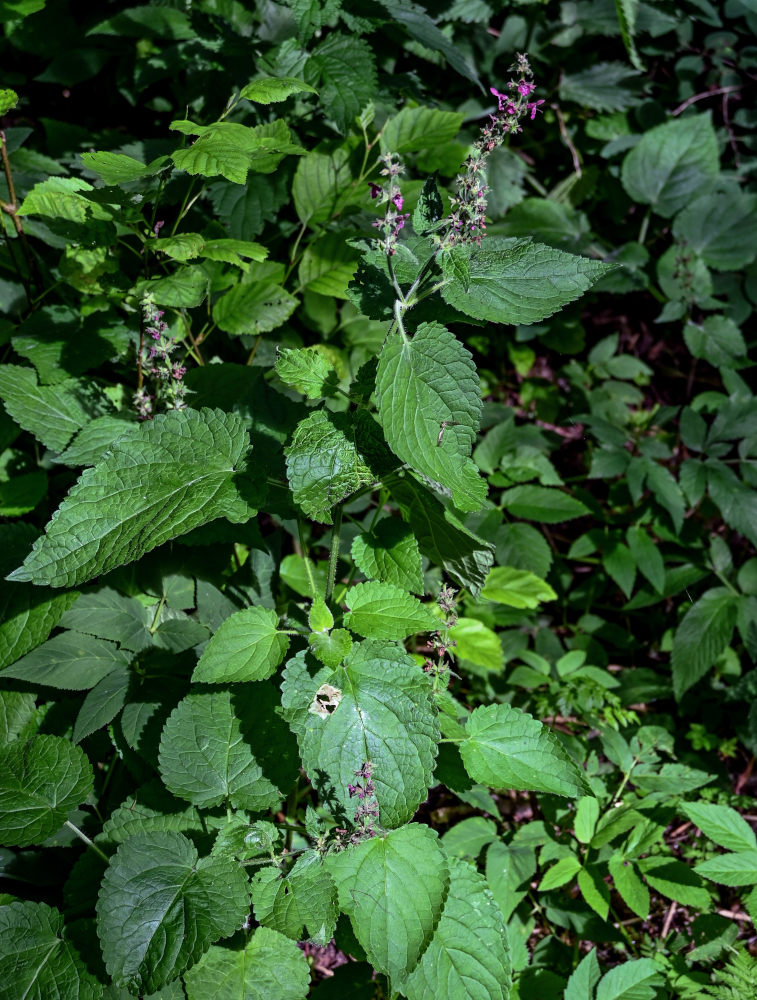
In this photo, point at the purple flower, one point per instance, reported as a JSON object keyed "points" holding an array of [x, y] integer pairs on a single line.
{"points": [[398, 201], [375, 189], [158, 227], [502, 99], [533, 107], [524, 88]]}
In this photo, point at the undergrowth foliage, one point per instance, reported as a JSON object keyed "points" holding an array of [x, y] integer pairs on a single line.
{"points": [[379, 501]]}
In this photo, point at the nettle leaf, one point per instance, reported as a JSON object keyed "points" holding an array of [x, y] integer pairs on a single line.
{"points": [[330, 648], [247, 647], [389, 552], [507, 748], [375, 709], [520, 282], [346, 69], [205, 752], [721, 824], [393, 888], [267, 967], [323, 464], [301, 904], [254, 308], [672, 163], [178, 472], [721, 228], [37, 960], [272, 90], [69, 661], [161, 906], [703, 634], [307, 370], [516, 588], [468, 955], [94, 439], [385, 611], [429, 403], [41, 781], [231, 149], [419, 128]]}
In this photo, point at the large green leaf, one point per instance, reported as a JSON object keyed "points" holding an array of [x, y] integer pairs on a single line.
{"points": [[672, 163], [507, 748], [375, 709], [231, 149], [324, 465], [247, 647], [69, 661], [429, 403], [393, 889], [178, 472], [161, 906], [272, 90], [389, 552], [205, 752], [267, 967], [419, 128], [308, 371], [739, 868], [520, 282], [254, 308], [542, 503], [516, 587], [346, 68], [721, 227], [467, 958], [41, 781], [17, 714], [109, 615], [634, 980], [37, 961], [301, 903], [323, 183], [385, 611], [722, 824], [703, 634]]}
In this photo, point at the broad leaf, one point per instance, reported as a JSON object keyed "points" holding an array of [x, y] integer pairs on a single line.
{"points": [[542, 503], [520, 282], [69, 661], [198, 455], [507, 748], [516, 588], [272, 90], [584, 979], [41, 781], [419, 128], [703, 634], [721, 824], [254, 308], [721, 227], [103, 703], [386, 611], [109, 615], [161, 906], [247, 647], [429, 402], [393, 889], [346, 71], [301, 904], [389, 552], [634, 980], [308, 371], [731, 869], [17, 712], [629, 884]]}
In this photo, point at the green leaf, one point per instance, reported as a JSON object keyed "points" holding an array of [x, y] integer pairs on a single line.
{"points": [[60, 198], [346, 68], [205, 752], [94, 439], [548, 505], [41, 781], [419, 128], [161, 906], [721, 824], [328, 265], [421, 28], [429, 402], [37, 961], [301, 904], [647, 557], [385, 611], [393, 888], [507, 748], [323, 183], [254, 308], [584, 978], [52, 413], [634, 980], [17, 712], [516, 587], [267, 967], [103, 703], [430, 207], [735, 869], [247, 647], [230, 150], [477, 644], [198, 453], [718, 340], [522, 546], [467, 958], [627, 11], [389, 552], [721, 227], [674, 879], [324, 466], [703, 634], [672, 163], [109, 615], [330, 648], [604, 86], [8, 100], [307, 370], [115, 168], [520, 282], [632, 890], [147, 22], [594, 890], [560, 874], [343, 719], [69, 661], [587, 814], [272, 89]]}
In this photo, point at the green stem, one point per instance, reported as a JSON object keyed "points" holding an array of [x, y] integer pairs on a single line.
{"points": [[180, 216], [90, 843], [334, 552]]}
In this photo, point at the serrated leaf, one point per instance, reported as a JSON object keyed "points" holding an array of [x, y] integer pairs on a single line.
{"points": [[37, 960], [328, 265], [632, 890], [675, 880], [230, 149], [109, 615], [94, 439], [429, 403], [393, 889], [516, 587], [672, 163], [389, 552], [430, 207], [520, 282], [301, 904], [272, 89], [254, 308], [605, 86], [548, 505], [379, 691], [17, 711], [721, 824], [323, 464], [584, 978], [735, 869], [330, 648], [322, 183], [69, 661], [507, 748], [523, 547], [246, 647], [103, 703], [161, 906], [41, 781], [647, 557], [199, 454], [385, 611], [267, 967], [467, 958], [308, 371], [185, 288], [413, 129], [594, 890], [560, 874], [703, 634], [476, 643], [419, 26], [115, 168], [721, 227], [346, 68], [205, 754], [634, 980]]}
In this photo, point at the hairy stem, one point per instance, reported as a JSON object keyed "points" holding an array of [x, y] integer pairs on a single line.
{"points": [[334, 551], [90, 843]]}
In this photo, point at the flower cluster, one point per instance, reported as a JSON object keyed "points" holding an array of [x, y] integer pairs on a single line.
{"points": [[367, 812], [157, 362], [468, 218], [394, 219], [441, 641]]}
